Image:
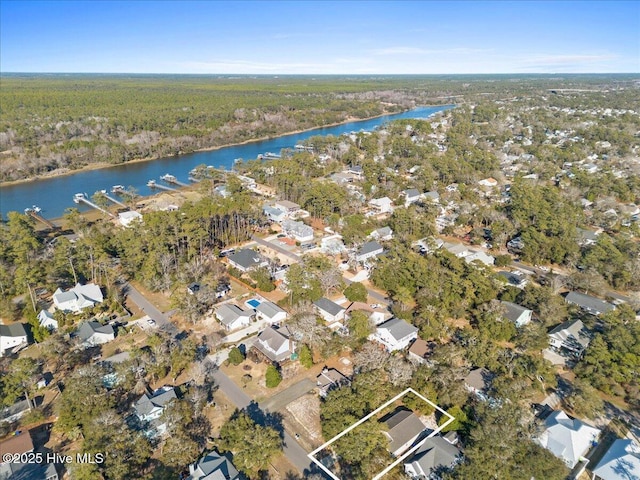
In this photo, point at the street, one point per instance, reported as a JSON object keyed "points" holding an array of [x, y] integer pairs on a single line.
{"points": [[162, 320]]}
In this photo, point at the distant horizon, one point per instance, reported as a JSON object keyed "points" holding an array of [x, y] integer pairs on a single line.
{"points": [[320, 37]]}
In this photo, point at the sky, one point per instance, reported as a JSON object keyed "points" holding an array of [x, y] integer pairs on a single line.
{"points": [[320, 37]]}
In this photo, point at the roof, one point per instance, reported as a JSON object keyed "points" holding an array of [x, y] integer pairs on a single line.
{"points": [[271, 340], [567, 438], [398, 328], [288, 205], [621, 461], [245, 257], [369, 247], [420, 348], [158, 399], [20, 443], [269, 309], [513, 311], [589, 303], [432, 195], [15, 409], [229, 313], [14, 330], [89, 329], [403, 425], [214, 466], [571, 332], [384, 231], [329, 376], [512, 278], [412, 192], [435, 452], [479, 379], [328, 306], [297, 228]]}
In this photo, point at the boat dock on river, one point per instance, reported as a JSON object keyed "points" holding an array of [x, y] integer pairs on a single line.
{"points": [[154, 184], [35, 213], [171, 179], [82, 198]]}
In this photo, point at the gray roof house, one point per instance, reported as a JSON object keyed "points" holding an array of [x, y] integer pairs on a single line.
{"points": [[570, 335], [434, 454], [384, 233], [403, 429], [93, 333], [213, 466], [369, 250], [11, 337], [232, 316], [330, 311], [270, 312], [412, 195], [330, 378], [149, 408], [517, 314], [567, 438], [297, 230], [275, 344], [14, 412], [478, 382], [514, 279], [621, 462], [432, 196], [274, 214], [589, 304], [395, 334], [246, 259]]}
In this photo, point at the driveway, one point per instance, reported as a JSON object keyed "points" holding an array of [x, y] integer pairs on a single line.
{"points": [[162, 319], [285, 397]]}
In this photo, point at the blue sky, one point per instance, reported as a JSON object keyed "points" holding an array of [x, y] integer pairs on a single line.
{"points": [[323, 37]]}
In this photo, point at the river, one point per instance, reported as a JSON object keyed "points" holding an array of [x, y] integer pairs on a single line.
{"points": [[54, 195]]}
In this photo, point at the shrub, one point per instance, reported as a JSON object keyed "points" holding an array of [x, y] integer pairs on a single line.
{"points": [[236, 357], [273, 377]]}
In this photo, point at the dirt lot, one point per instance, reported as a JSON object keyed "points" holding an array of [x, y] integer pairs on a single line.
{"points": [[303, 416]]}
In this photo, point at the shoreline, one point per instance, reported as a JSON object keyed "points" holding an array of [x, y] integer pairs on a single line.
{"points": [[101, 166]]}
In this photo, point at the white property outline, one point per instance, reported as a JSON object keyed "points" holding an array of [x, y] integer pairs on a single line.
{"points": [[364, 419]]}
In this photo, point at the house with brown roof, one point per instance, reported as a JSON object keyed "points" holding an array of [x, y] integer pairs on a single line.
{"points": [[329, 379]]}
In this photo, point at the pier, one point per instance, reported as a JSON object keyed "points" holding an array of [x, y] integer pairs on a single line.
{"points": [[35, 213], [117, 202], [82, 198], [171, 179], [153, 184]]}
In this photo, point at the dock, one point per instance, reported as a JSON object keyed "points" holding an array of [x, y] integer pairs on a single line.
{"points": [[82, 198], [153, 184], [171, 179], [35, 213], [111, 199]]}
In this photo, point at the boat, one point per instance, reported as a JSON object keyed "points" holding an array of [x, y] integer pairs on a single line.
{"points": [[271, 155], [33, 208], [117, 189], [151, 183], [79, 197], [167, 177]]}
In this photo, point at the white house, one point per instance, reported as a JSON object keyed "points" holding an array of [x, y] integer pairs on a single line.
{"points": [[287, 206], [412, 195], [93, 333], [271, 313], [621, 462], [233, 317], [480, 256], [330, 311], [78, 298], [297, 230], [46, 320], [520, 316], [12, 336], [395, 334], [382, 205], [571, 336], [149, 409], [275, 344], [369, 250], [213, 466], [567, 438], [274, 214], [457, 249], [382, 234], [127, 218]]}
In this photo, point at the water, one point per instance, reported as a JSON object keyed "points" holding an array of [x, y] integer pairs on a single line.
{"points": [[54, 195]]}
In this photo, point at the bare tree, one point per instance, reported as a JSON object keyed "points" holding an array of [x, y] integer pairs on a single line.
{"points": [[306, 327], [399, 371], [371, 357]]}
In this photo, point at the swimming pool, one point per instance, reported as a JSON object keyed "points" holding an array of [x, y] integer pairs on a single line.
{"points": [[253, 303]]}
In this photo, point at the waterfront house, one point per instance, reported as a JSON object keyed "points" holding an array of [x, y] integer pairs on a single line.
{"points": [[12, 337], [403, 427], [129, 218], [78, 298], [567, 438], [213, 466], [233, 317], [395, 334]]}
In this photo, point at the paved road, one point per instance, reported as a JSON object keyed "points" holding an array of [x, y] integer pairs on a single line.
{"points": [[291, 448], [383, 299], [285, 397], [162, 319]]}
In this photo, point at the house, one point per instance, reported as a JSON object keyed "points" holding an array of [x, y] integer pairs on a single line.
{"points": [[46, 320], [434, 455], [213, 466], [395, 334], [329, 379], [297, 230], [150, 407], [222, 290], [355, 170], [412, 195], [233, 317], [369, 250], [520, 316], [403, 428], [381, 205], [271, 313], [12, 337], [480, 256], [516, 244], [77, 298], [376, 315], [274, 214], [621, 462], [589, 304], [382, 234], [514, 279], [488, 182], [330, 311], [246, 259], [571, 336], [567, 438], [587, 238], [18, 444], [128, 218], [275, 344], [287, 206], [432, 196], [478, 382], [14, 412], [420, 350], [93, 333], [457, 249]]}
